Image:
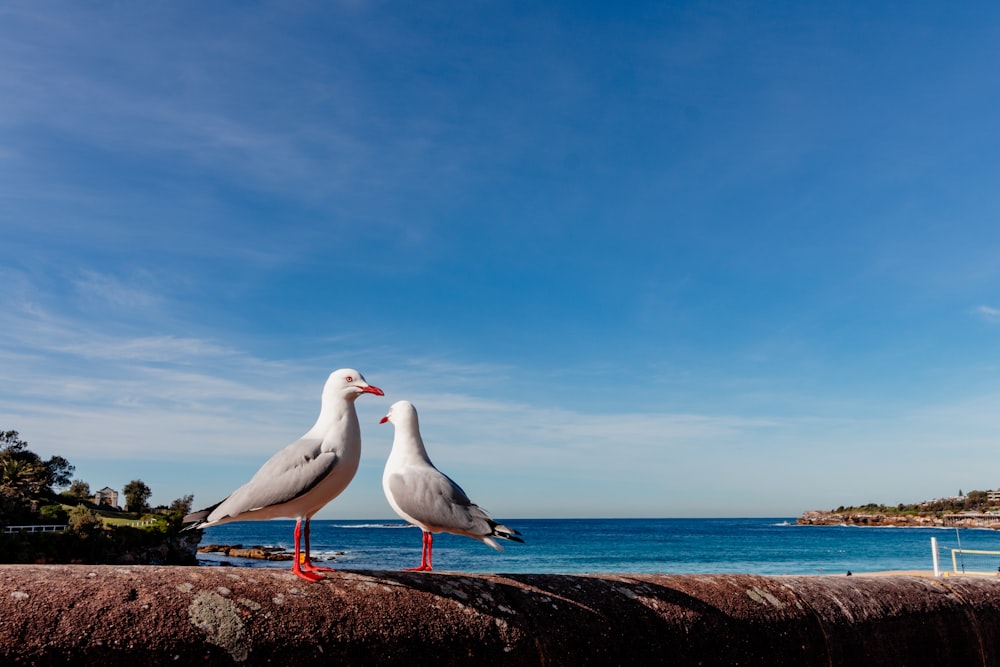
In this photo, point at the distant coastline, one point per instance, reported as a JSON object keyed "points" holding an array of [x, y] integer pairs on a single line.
{"points": [[918, 520]]}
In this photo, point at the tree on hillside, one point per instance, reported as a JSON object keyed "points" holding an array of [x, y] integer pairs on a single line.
{"points": [[21, 478], [10, 440], [23, 473], [80, 489], [60, 471], [182, 506], [25, 477], [136, 495], [975, 500]]}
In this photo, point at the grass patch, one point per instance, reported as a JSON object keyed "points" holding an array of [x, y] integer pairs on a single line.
{"points": [[116, 519]]}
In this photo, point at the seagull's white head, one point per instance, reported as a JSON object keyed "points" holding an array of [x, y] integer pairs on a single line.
{"points": [[349, 384], [399, 413]]}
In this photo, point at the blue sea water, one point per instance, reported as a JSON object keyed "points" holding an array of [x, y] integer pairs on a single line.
{"points": [[581, 546]]}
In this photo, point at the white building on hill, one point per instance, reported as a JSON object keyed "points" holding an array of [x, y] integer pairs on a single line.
{"points": [[106, 496]]}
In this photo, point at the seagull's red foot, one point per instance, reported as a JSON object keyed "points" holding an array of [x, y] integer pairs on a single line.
{"points": [[421, 568], [309, 567], [305, 574]]}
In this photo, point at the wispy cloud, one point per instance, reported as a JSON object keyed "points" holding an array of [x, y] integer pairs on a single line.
{"points": [[36, 331], [108, 289], [988, 313], [327, 150]]}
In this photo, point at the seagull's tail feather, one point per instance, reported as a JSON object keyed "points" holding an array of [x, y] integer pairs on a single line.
{"points": [[199, 518], [490, 542], [494, 529]]}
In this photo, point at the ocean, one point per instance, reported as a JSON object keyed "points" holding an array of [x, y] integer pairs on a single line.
{"points": [[635, 546]]}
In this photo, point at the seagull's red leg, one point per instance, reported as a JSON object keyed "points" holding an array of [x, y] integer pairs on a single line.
{"points": [[307, 564], [425, 554], [299, 556]]}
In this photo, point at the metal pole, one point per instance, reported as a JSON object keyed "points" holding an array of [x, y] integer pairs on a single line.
{"points": [[934, 557], [961, 554]]}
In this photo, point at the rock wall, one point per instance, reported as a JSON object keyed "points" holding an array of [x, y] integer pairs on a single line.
{"points": [[108, 615]]}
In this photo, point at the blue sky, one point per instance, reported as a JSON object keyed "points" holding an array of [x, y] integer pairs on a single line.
{"points": [[655, 259]]}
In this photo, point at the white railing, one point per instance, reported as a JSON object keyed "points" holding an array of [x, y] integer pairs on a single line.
{"points": [[9, 530]]}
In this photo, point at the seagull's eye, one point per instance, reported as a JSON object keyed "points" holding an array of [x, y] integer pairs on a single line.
{"points": [[349, 378]]}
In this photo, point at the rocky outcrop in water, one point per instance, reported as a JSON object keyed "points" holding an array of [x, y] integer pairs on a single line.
{"points": [[817, 518], [255, 552]]}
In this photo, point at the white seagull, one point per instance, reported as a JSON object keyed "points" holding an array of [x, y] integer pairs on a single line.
{"points": [[427, 498], [304, 476]]}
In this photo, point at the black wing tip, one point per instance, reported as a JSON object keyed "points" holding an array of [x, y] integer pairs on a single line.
{"points": [[506, 533]]}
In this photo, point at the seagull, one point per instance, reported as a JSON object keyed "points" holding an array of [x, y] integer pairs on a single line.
{"points": [[427, 498], [304, 476]]}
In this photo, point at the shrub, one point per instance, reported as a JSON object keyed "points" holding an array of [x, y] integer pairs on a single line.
{"points": [[53, 514], [84, 521]]}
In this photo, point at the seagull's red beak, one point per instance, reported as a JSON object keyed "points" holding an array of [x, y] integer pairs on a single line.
{"points": [[384, 419], [372, 389]]}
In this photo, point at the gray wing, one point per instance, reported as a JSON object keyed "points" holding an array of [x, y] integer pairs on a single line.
{"points": [[432, 497], [290, 473]]}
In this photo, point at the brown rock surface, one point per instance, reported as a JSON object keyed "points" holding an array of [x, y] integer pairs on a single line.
{"points": [[149, 615]]}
